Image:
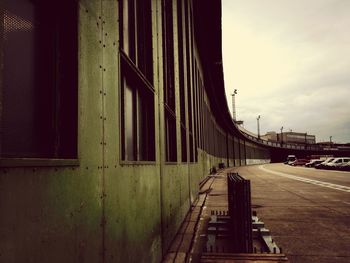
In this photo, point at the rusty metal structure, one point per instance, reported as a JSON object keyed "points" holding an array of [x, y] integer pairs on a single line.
{"points": [[240, 211]]}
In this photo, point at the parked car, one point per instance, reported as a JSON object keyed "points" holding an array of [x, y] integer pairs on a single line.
{"points": [[290, 159], [322, 165], [301, 162], [344, 167], [337, 162], [313, 162]]}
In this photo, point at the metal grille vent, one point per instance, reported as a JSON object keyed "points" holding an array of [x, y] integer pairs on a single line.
{"points": [[14, 23]]}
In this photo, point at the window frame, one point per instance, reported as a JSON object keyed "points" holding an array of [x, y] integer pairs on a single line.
{"points": [[133, 68], [169, 89], [55, 157], [182, 88]]}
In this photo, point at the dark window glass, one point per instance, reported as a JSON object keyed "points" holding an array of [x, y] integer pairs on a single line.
{"points": [[183, 144], [181, 81], [137, 115], [136, 34], [137, 73], [145, 127], [38, 80], [170, 139], [195, 108], [129, 122], [201, 87], [168, 47], [144, 37], [189, 58], [169, 82]]}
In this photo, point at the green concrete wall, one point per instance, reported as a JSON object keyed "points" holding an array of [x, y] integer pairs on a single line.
{"points": [[99, 208]]}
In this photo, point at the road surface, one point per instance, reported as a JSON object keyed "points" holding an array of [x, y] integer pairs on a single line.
{"points": [[306, 210]]}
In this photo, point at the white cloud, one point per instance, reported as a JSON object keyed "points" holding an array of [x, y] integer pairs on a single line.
{"points": [[290, 61]]}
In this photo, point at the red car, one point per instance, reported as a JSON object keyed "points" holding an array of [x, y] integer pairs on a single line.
{"points": [[300, 162]]}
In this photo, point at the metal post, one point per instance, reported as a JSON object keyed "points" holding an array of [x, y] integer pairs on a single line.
{"points": [[330, 141], [281, 135], [234, 105], [257, 119]]}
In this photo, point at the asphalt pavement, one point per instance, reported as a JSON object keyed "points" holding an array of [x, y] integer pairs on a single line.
{"points": [[307, 210]]}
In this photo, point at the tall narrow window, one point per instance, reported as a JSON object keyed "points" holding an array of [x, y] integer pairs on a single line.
{"points": [[195, 109], [189, 54], [181, 81], [169, 82], [38, 79], [137, 90]]}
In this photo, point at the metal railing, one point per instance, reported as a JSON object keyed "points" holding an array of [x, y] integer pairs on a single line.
{"points": [[306, 146]]}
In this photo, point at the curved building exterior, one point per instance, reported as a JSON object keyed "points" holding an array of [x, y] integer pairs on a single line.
{"points": [[112, 113]]}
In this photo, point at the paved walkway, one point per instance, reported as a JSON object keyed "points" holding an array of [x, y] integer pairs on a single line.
{"points": [[190, 241]]}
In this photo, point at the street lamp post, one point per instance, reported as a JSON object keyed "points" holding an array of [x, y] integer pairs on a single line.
{"points": [[281, 135], [234, 105], [257, 119], [330, 141]]}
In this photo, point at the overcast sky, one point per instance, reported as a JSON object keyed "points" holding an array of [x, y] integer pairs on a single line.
{"points": [[290, 62]]}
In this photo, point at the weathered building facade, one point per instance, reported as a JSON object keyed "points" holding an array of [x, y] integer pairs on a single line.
{"points": [[111, 114]]}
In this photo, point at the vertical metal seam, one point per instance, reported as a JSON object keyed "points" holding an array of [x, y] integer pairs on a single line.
{"points": [[160, 159], [103, 216]]}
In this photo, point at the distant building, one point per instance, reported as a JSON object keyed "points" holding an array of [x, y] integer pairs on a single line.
{"points": [[270, 136], [290, 137]]}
